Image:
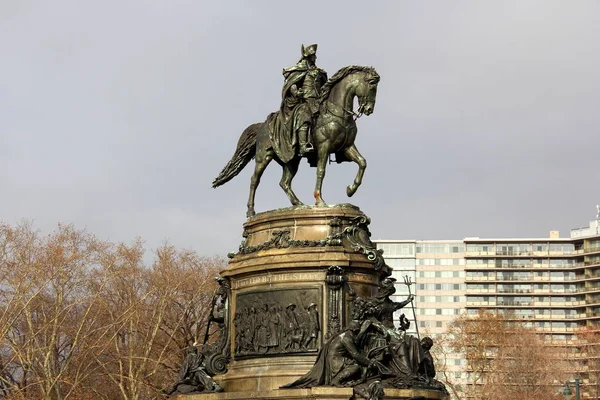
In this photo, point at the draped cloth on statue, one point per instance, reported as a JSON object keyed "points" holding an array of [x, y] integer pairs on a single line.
{"points": [[296, 109], [319, 374], [283, 128], [338, 353], [282, 137]]}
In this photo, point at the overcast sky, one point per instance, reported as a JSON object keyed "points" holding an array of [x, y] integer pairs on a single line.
{"points": [[116, 115]]}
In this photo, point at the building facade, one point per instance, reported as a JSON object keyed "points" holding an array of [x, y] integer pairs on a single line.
{"points": [[552, 284]]}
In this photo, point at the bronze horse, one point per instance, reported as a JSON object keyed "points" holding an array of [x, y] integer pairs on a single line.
{"points": [[334, 132]]}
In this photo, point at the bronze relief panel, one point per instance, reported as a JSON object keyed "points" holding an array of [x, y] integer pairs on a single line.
{"points": [[280, 321]]}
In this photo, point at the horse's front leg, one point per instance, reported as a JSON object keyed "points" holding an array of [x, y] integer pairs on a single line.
{"points": [[353, 154], [322, 155], [289, 171]]}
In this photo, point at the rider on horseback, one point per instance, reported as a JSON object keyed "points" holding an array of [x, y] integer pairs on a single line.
{"points": [[300, 94]]}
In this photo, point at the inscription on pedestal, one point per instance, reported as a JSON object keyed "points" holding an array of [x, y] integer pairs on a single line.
{"points": [[282, 321], [276, 278]]}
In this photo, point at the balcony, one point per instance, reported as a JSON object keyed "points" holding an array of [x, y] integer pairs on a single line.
{"points": [[515, 303], [513, 253], [593, 249], [476, 253], [595, 262], [480, 278], [514, 290]]}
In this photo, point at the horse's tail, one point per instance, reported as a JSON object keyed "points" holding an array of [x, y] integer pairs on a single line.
{"points": [[245, 151]]}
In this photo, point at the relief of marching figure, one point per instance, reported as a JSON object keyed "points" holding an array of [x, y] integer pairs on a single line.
{"points": [[265, 324]]}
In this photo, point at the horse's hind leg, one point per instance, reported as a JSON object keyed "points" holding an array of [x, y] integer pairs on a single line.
{"points": [[289, 171], [259, 167], [353, 154]]}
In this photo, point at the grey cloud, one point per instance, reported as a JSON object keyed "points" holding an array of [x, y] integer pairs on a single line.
{"points": [[116, 115]]}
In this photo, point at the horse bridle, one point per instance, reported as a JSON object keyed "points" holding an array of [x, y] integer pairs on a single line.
{"points": [[361, 101]]}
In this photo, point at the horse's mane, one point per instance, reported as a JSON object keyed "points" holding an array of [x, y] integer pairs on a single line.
{"points": [[341, 74]]}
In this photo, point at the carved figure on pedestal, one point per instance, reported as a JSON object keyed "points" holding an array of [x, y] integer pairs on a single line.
{"points": [[239, 331], [371, 354], [313, 328], [427, 366], [406, 354], [262, 330], [340, 362], [247, 331], [193, 377], [216, 348], [293, 333], [386, 306], [274, 329]]}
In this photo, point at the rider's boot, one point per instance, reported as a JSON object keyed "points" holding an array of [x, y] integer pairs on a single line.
{"points": [[304, 145]]}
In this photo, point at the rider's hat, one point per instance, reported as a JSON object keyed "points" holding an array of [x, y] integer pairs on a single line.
{"points": [[309, 50]]}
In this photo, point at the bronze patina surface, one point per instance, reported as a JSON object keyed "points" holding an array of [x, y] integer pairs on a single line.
{"points": [[316, 393], [304, 309], [292, 281], [316, 119]]}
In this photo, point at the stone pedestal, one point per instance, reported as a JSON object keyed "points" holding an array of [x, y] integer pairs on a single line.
{"points": [[316, 393], [296, 267], [289, 288]]}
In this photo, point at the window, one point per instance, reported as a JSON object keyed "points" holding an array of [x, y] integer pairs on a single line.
{"points": [[448, 286], [438, 324], [400, 263], [397, 249], [479, 261], [507, 249], [481, 248]]}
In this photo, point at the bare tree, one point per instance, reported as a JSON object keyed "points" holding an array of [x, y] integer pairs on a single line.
{"points": [[86, 319], [505, 358], [588, 357], [442, 352], [51, 335], [155, 313]]}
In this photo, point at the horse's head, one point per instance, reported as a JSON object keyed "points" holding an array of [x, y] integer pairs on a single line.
{"points": [[366, 91]]}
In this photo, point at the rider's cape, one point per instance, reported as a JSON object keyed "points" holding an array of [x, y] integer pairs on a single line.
{"points": [[282, 124], [282, 139]]}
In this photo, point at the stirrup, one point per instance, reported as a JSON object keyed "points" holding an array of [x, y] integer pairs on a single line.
{"points": [[305, 148]]}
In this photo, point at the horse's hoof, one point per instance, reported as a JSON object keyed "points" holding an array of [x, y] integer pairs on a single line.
{"points": [[350, 190], [298, 203], [250, 213]]}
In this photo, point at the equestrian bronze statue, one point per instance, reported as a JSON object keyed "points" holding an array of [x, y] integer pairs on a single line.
{"points": [[316, 119]]}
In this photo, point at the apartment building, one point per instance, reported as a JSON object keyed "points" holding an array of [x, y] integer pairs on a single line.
{"points": [[436, 269], [552, 284]]}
